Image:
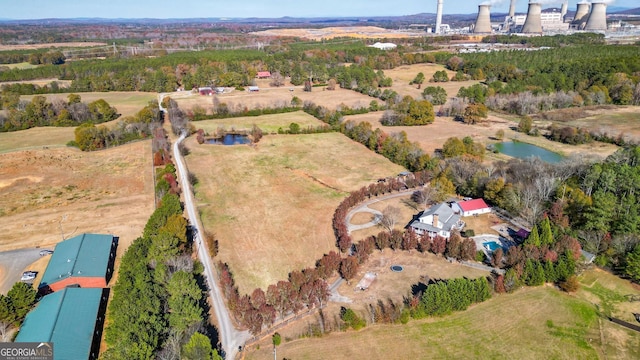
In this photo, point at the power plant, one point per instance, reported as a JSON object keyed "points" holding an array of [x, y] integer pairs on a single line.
{"points": [[439, 16], [597, 20], [533, 24], [483, 21]]}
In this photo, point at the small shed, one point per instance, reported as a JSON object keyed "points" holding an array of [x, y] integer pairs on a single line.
{"points": [[471, 207], [207, 91], [263, 74]]}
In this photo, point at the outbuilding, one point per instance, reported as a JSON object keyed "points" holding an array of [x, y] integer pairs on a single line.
{"points": [[85, 261], [471, 207], [72, 319]]}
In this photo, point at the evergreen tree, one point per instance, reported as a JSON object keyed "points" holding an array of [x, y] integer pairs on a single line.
{"points": [[546, 235], [534, 237]]}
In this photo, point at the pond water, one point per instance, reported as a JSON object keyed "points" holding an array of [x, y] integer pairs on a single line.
{"points": [[230, 139], [523, 150]]}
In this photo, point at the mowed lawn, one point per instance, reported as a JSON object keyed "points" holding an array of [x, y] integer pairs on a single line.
{"points": [[268, 123], [403, 75], [532, 323], [271, 206]]}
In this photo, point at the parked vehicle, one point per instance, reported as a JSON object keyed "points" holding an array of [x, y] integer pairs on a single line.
{"points": [[28, 275], [46, 252]]}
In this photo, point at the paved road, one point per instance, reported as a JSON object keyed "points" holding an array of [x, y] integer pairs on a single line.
{"points": [[364, 207], [230, 337], [12, 264]]}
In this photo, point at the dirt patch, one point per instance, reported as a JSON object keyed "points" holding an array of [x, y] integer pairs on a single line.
{"points": [[50, 193]]}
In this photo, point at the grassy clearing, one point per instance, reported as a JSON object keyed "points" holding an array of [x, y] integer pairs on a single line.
{"points": [[271, 206], [20, 66], [268, 123], [533, 323], [35, 138], [126, 102], [404, 74]]}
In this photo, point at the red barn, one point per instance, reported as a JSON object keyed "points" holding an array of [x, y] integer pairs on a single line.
{"points": [[263, 74]]}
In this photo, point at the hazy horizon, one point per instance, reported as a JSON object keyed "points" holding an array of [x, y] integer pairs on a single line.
{"points": [[164, 9]]}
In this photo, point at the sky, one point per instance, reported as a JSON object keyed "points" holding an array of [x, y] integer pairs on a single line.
{"points": [[164, 9]]}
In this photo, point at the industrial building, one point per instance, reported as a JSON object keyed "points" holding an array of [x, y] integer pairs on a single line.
{"points": [[72, 319], [84, 261]]}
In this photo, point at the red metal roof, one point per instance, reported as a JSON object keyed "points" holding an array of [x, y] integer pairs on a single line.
{"points": [[471, 205], [264, 74]]}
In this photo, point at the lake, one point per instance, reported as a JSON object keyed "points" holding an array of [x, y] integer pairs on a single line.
{"points": [[523, 150]]}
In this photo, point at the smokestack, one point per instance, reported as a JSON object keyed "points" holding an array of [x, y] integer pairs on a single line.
{"points": [[512, 9], [483, 22], [563, 9], [581, 11], [533, 23], [597, 20], [439, 16]]}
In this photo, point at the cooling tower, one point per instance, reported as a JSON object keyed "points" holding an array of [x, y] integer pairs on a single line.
{"points": [[597, 20], [512, 9], [533, 23], [483, 22], [439, 16], [581, 11]]}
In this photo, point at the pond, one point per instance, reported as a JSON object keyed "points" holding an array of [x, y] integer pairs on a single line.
{"points": [[523, 150], [230, 139]]}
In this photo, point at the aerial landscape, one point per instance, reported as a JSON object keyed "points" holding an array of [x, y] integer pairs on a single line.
{"points": [[338, 180]]}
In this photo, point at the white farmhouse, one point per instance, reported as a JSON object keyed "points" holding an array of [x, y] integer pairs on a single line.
{"points": [[437, 220]]}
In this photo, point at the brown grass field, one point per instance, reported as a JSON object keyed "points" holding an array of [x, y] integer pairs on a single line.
{"points": [[269, 97], [109, 191], [126, 102], [35, 138], [271, 206], [402, 75], [40, 82], [268, 123], [532, 323]]}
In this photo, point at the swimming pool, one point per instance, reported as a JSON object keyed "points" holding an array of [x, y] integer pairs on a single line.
{"points": [[491, 245]]}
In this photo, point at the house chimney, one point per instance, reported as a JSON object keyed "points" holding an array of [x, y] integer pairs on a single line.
{"points": [[483, 22], [533, 23], [435, 220], [439, 16]]}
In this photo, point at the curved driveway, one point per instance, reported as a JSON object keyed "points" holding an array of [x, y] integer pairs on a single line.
{"points": [[230, 337], [364, 207], [12, 264]]}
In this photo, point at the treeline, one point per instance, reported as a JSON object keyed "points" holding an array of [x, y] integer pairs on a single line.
{"points": [[158, 309], [39, 112], [409, 112], [32, 57], [446, 296], [14, 306], [551, 41], [142, 125]]}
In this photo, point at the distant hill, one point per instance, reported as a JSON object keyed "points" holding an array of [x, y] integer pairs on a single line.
{"points": [[635, 11]]}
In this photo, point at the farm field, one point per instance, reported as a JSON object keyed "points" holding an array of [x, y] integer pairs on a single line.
{"points": [[21, 66], [126, 102], [531, 323], [269, 97], [402, 75], [432, 137], [268, 123], [36, 138], [271, 206], [50, 45], [48, 192]]}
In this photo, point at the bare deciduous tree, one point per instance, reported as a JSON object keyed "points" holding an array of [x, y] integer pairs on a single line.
{"points": [[390, 216]]}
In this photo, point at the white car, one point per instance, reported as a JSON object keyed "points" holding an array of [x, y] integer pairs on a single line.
{"points": [[28, 275], [46, 252]]}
